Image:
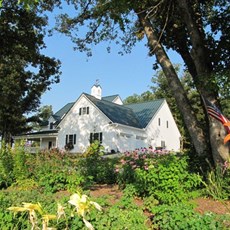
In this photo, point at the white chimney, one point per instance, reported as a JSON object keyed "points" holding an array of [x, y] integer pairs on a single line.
{"points": [[96, 90]]}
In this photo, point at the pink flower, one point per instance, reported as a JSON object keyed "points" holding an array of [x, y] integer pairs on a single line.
{"points": [[122, 161]]}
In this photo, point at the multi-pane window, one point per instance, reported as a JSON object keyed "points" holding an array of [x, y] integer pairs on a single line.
{"points": [[83, 110], [70, 139], [95, 136]]}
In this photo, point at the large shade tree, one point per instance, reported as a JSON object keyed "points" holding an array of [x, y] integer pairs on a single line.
{"points": [[180, 25], [196, 29], [25, 73]]}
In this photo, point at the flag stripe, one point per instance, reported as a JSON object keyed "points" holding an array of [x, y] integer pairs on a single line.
{"points": [[214, 112]]}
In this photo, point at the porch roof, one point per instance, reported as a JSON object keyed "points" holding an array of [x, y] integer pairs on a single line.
{"points": [[39, 134]]}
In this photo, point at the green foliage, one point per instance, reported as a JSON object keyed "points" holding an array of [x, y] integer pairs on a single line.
{"points": [[127, 166], [24, 185], [13, 196], [167, 179], [41, 117], [21, 87], [54, 170], [6, 166], [182, 216], [163, 175], [20, 157], [96, 166], [95, 150], [150, 202], [217, 183], [125, 214], [162, 178]]}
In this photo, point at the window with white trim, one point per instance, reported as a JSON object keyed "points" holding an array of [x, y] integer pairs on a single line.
{"points": [[95, 136], [163, 144], [83, 110], [70, 139]]}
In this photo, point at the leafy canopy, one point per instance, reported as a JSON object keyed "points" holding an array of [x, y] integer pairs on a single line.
{"points": [[25, 73]]}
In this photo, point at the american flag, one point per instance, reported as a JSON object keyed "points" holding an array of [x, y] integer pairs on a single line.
{"points": [[214, 112]]}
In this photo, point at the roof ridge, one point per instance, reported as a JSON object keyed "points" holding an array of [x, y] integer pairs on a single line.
{"points": [[111, 95], [110, 102], [160, 99]]}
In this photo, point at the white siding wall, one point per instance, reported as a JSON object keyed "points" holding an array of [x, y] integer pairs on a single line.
{"points": [[157, 133], [128, 139], [118, 101], [83, 125], [117, 137]]}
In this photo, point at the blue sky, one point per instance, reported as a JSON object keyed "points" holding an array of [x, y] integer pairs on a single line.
{"points": [[124, 75]]}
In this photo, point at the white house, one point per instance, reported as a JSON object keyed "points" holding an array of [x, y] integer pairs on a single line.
{"points": [[117, 126]]}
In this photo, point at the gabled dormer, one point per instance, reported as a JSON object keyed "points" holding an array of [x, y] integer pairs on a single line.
{"points": [[114, 98]]}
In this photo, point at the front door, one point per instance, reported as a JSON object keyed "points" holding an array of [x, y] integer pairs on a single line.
{"points": [[50, 145]]}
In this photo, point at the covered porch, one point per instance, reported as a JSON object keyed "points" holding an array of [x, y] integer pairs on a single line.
{"points": [[41, 140]]}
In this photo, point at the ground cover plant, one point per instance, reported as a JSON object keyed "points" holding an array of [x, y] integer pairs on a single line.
{"points": [[156, 190]]}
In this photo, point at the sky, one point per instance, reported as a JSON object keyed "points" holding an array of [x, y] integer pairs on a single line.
{"points": [[124, 75]]}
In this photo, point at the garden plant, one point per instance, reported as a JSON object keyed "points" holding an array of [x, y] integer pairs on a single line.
{"points": [[52, 190]]}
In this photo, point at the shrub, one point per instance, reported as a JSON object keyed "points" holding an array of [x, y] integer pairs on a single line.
{"points": [[20, 157], [6, 166], [182, 216], [97, 167], [167, 179], [54, 170], [165, 176], [125, 214], [126, 167]]}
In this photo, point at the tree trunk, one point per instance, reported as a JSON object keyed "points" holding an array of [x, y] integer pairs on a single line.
{"points": [[6, 138], [205, 85], [195, 132]]}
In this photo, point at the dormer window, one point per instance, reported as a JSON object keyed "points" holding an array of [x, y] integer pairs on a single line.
{"points": [[83, 110], [51, 125]]}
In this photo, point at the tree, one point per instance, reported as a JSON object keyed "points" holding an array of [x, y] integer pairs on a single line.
{"points": [[160, 89], [25, 73], [41, 117], [135, 98], [180, 25]]}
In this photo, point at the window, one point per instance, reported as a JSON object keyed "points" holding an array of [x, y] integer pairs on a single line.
{"points": [[94, 137], [159, 121], [167, 124], [51, 125], [140, 138], [163, 144], [71, 139], [83, 110], [126, 135]]}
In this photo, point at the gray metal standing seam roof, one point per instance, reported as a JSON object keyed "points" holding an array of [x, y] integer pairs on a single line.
{"points": [[110, 98], [60, 113], [116, 113], [145, 110], [137, 115]]}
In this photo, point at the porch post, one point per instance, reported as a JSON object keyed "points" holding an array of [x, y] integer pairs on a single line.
{"points": [[56, 142], [40, 142]]}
